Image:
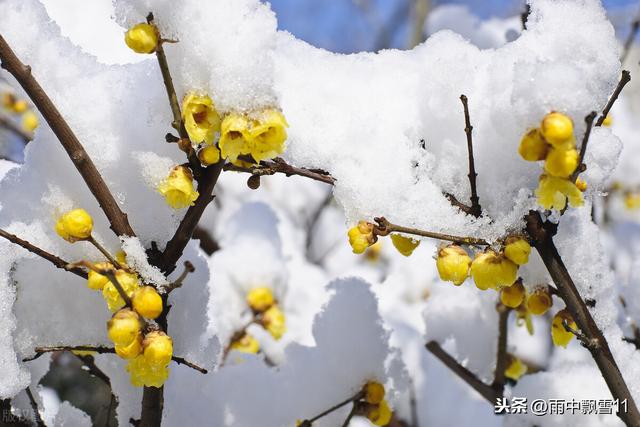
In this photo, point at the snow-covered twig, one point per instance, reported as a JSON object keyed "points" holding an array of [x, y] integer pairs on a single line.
{"points": [[80, 158], [278, 165], [475, 210], [541, 234], [384, 228], [56, 261]]}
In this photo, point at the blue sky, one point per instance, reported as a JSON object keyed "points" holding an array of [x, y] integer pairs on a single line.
{"points": [[341, 26]]}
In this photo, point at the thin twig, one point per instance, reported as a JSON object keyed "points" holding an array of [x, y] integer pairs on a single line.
{"points": [[34, 407], [351, 414], [624, 79], [501, 353], [541, 235], [56, 261], [354, 398], [278, 165], [384, 227], [80, 158], [188, 268], [89, 362], [632, 35], [579, 335], [476, 210], [111, 275], [486, 391], [11, 126], [105, 252], [583, 147]]}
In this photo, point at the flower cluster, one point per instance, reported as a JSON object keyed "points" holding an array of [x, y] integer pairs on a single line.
{"points": [[266, 312], [20, 107], [554, 142], [375, 407]]}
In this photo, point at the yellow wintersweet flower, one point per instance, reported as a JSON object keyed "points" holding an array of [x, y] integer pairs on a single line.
{"points": [[581, 185], [7, 100], [142, 373], [492, 270], [361, 237], [608, 121], [512, 296], [147, 302], [515, 368], [533, 147], [20, 106], [523, 316], [130, 351], [260, 299], [178, 189], [201, 120], [539, 301], [632, 201], [557, 128], [157, 348], [97, 281], [380, 414], [561, 162], [129, 282], [75, 225], [209, 155], [373, 392], [453, 264], [274, 321], [124, 327], [553, 193], [234, 136], [246, 344], [517, 249], [268, 135], [142, 38], [560, 336], [30, 121], [404, 245]]}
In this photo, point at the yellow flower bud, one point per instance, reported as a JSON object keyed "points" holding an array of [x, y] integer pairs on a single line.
{"points": [[560, 336], [515, 368], [20, 106], [491, 270], [209, 155], [201, 119], [453, 264], [268, 135], [30, 121], [581, 185], [274, 321], [246, 344], [539, 301], [157, 348], [178, 189], [517, 249], [130, 351], [142, 38], [373, 392], [380, 414], [561, 163], [533, 147], [632, 201], [8, 99], [147, 302], [404, 245], [97, 281], [512, 296], [124, 327], [557, 128], [553, 193], [75, 225], [608, 121], [234, 136], [144, 374], [260, 299], [361, 237], [129, 283]]}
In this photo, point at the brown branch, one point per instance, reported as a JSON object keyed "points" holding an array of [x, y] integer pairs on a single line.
{"points": [[56, 261], [102, 350], [486, 391], [632, 35], [278, 165], [384, 228], [11, 126], [73, 147], [501, 354], [152, 406], [624, 79], [541, 235], [34, 407], [352, 399], [207, 243], [89, 362], [476, 210], [458, 204], [188, 268], [583, 147]]}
